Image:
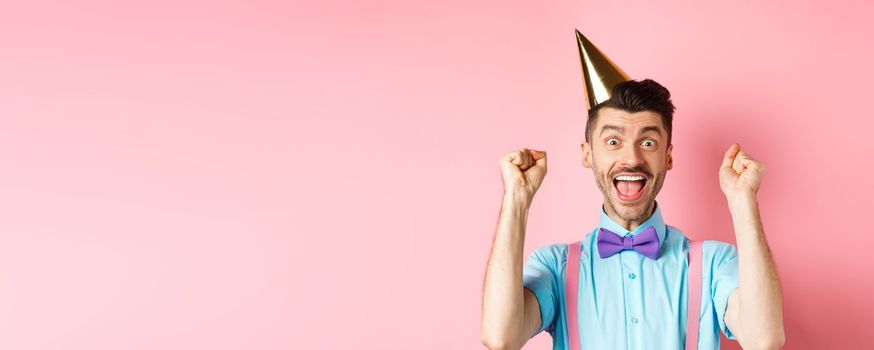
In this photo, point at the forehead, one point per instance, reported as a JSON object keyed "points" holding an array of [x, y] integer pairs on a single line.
{"points": [[631, 122]]}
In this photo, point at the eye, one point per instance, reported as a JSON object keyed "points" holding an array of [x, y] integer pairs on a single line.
{"points": [[648, 143], [612, 142]]}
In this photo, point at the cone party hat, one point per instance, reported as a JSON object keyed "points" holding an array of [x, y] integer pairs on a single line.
{"points": [[600, 74]]}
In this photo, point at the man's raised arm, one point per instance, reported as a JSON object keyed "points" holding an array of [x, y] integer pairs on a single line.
{"points": [[511, 314], [755, 310]]}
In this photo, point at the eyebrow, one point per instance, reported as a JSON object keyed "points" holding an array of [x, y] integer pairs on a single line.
{"points": [[621, 130]]}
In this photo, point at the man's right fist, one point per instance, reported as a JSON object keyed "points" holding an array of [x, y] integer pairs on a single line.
{"points": [[523, 172]]}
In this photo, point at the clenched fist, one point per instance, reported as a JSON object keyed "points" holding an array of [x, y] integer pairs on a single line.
{"points": [[739, 173], [523, 172]]}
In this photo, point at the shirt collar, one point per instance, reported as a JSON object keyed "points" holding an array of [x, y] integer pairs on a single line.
{"points": [[654, 220]]}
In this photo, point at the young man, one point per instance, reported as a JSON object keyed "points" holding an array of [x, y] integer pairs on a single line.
{"points": [[632, 295]]}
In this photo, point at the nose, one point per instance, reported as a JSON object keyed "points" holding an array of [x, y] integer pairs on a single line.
{"points": [[630, 157]]}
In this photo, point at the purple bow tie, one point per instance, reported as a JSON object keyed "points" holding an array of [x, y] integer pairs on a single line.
{"points": [[646, 243]]}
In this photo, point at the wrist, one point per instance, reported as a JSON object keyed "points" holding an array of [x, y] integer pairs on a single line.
{"points": [[742, 200], [516, 203]]}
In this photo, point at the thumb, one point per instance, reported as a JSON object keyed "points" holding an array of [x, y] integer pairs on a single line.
{"points": [[730, 155], [539, 157], [536, 154]]}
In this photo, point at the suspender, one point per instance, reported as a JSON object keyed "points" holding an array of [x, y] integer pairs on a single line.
{"points": [[571, 292], [572, 283], [693, 282]]}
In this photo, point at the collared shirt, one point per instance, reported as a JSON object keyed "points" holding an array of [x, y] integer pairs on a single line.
{"points": [[629, 301]]}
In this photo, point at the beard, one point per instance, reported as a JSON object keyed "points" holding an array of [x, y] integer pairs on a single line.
{"points": [[630, 211]]}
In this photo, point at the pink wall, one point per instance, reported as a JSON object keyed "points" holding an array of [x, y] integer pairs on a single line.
{"points": [[217, 175]]}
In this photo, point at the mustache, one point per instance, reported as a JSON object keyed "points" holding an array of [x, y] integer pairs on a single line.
{"points": [[641, 170]]}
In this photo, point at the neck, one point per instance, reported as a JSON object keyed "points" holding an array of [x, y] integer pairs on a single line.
{"points": [[629, 225]]}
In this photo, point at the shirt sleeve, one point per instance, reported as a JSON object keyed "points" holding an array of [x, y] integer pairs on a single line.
{"points": [[724, 281], [539, 276]]}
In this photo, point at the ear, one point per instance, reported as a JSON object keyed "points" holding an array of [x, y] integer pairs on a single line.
{"points": [[670, 160], [587, 154]]}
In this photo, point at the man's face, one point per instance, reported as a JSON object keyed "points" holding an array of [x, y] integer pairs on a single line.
{"points": [[629, 155]]}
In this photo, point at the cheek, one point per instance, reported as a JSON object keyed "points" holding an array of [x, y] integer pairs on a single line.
{"points": [[597, 165], [658, 162], [601, 159]]}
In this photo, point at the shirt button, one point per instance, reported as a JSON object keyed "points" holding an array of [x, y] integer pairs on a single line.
{"points": [[634, 320], [632, 276]]}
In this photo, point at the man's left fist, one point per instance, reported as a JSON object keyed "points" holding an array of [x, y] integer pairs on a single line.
{"points": [[739, 174]]}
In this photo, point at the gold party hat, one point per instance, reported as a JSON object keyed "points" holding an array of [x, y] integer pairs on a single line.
{"points": [[600, 74]]}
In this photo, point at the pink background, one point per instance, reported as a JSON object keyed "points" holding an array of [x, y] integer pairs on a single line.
{"points": [[265, 175]]}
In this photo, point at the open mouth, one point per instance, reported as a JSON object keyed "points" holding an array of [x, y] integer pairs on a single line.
{"points": [[629, 187]]}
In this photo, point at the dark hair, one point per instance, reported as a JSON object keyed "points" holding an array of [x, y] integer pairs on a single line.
{"points": [[637, 96]]}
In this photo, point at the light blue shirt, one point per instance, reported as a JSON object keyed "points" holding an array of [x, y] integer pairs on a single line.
{"points": [[629, 301]]}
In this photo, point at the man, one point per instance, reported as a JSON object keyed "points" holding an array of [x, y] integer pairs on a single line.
{"points": [[628, 300]]}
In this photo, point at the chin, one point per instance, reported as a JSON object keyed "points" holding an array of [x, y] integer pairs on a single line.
{"points": [[631, 211], [630, 214]]}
